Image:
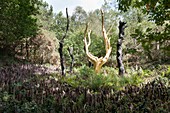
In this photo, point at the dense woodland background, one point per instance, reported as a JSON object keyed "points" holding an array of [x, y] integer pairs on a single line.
{"points": [[30, 71]]}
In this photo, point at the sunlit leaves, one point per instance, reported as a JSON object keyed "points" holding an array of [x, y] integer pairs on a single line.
{"points": [[17, 19]]}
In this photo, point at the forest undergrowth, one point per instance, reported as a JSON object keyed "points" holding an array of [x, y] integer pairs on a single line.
{"points": [[32, 88]]}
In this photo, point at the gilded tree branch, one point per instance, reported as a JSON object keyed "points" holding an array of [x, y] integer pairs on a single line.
{"points": [[97, 62]]}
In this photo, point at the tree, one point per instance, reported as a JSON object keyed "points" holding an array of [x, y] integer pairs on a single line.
{"points": [[97, 62], [17, 21], [122, 26], [40, 48], [157, 12], [61, 43], [79, 15], [46, 17]]}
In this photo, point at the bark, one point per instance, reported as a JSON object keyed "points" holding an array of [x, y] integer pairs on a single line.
{"points": [[27, 50], [21, 48], [122, 26], [70, 50], [61, 58], [61, 43], [35, 50]]}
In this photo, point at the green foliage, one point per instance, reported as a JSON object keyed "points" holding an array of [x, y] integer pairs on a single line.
{"points": [[86, 77], [150, 36], [168, 73], [45, 17], [17, 20], [75, 40], [79, 16]]}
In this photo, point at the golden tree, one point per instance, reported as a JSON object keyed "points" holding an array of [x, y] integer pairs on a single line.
{"points": [[97, 62]]}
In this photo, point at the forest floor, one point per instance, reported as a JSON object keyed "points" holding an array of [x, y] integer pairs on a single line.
{"points": [[48, 69], [33, 88], [34, 68]]}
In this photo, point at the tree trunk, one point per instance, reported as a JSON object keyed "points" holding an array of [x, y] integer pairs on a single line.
{"points": [[119, 48], [27, 50], [70, 50], [35, 51], [61, 46], [61, 58]]}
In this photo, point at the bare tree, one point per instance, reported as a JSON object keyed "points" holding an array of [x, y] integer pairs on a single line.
{"points": [[97, 62], [61, 43], [122, 26]]}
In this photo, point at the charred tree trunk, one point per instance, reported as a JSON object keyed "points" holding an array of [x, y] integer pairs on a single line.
{"points": [[122, 26], [35, 50], [61, 42], [27, 50], [61, 58], [70, 50]]}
